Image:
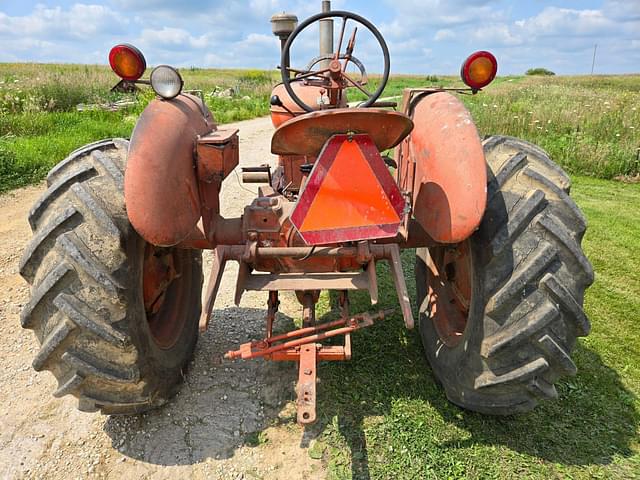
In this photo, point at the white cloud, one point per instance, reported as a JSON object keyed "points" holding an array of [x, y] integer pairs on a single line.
{"points": [[424, 36], [444, 34], [172, 39], [80, 21], [622, 10], [497, 34], [554, 21]]}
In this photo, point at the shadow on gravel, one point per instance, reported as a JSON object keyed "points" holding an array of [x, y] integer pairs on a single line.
{"points": [[220, 403]]}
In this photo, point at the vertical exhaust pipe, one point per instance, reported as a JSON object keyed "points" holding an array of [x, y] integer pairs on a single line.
{"points": [[326, 34]]}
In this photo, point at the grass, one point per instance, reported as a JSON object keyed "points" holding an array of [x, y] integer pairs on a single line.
{"points": [[383, 416], [589, 125], [39, 123]]}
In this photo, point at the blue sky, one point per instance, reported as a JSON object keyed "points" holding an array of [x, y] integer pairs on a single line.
{"points": [[424, 36]]}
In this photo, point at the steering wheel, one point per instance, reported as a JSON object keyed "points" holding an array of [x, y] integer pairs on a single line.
{"points": [[334, 78]]}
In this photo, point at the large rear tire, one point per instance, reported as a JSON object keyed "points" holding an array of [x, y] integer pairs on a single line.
{"points": [[107, 343], [500, 312]]}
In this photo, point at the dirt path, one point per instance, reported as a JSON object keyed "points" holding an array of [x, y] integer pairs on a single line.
{"points": [[230, 420]]}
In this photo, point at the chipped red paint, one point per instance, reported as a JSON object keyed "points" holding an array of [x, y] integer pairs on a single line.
{"points": [[160, 187], [450, 182], [307, 134]]}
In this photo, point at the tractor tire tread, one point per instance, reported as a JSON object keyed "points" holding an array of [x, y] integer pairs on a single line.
{"points": [[532, 310], [76, 265]]}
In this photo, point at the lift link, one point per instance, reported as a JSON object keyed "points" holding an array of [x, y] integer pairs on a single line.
{"points": [[266, 348], [302, 346]]}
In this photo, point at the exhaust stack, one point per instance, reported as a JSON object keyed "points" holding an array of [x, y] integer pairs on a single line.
{"points": [[326, 34]]}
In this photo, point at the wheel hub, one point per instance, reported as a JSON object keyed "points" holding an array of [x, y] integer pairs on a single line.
{"points": [[162, 292], [449, 291]]}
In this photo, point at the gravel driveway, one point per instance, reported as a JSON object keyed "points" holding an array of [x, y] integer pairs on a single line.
{"points": [[231, 420]]}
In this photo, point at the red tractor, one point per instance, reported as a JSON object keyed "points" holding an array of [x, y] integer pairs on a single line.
{"points": [[115, 262]]}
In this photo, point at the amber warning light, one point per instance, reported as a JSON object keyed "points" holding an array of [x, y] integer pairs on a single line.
{"points": [[127, 62], [350, 195], [479, 70]]}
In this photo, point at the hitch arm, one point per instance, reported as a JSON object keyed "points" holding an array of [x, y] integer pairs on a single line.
{"points": [[314, 334]]}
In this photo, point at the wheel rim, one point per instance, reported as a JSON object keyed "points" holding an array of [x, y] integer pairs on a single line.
{"points": [[165, 290], [449, 283]]}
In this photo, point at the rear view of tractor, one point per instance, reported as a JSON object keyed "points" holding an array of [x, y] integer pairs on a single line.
{"points": [[115, 262]]}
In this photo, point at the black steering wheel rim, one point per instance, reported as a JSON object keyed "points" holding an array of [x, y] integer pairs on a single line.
{"points": [[286, 81]]}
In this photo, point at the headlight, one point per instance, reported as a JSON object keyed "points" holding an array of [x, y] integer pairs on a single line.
{"points": [[166, 82]]}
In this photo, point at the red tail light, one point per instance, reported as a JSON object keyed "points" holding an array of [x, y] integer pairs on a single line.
{"points": [[479, 70], [127, 62]]}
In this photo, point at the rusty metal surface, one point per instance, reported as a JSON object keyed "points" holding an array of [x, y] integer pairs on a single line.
{"points": [[445, 160], [166, 285], [395, 266], [358, 278], [306, 388], [306, 336], [256, 177], [161, 189], [307, 281], [290, 109], [364, 255], [223, 231], [268, 219], [158, 271], [272, 308], [325, 353], [217, 155], [220, 257], [307, 135], [449, 290], [292, 175], [373, 281]]}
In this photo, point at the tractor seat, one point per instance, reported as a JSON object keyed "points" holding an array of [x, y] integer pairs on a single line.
{"points": [[307, 134]]}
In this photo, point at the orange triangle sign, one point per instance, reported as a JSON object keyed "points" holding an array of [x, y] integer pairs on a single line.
{"points": [[350, 195]]}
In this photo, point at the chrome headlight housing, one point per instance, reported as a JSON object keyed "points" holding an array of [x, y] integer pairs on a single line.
{"points": [[166, 81]]}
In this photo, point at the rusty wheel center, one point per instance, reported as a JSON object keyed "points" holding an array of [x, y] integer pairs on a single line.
{"points": [[162, 290], [449, 291]]}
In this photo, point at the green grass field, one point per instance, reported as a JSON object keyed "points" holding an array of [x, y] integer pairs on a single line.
{"points": [[587, 124], [382, 415]]}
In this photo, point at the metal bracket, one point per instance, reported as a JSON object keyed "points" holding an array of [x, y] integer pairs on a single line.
{"points": [[395, 265], [220, 257], [306, 387], [303, 346]]}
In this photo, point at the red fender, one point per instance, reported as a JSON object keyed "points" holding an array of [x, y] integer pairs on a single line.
{"points": [[450, 182], [160, 184]]}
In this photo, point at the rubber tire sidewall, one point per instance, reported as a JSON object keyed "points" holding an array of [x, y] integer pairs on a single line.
{"points": [[162, 369], [449, 364]]}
